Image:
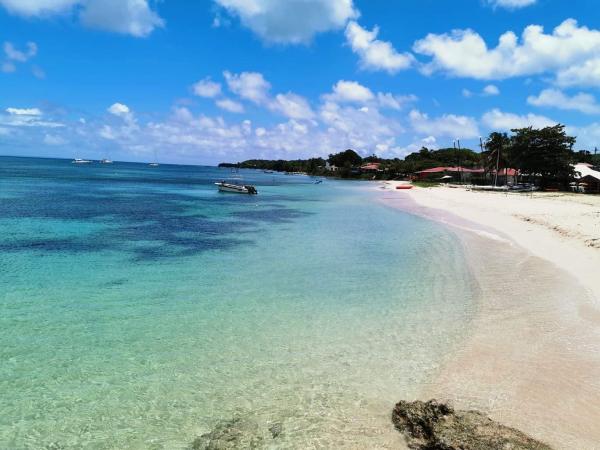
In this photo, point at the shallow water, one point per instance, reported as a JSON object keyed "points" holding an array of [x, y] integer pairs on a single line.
{"points": [[140, 306]]}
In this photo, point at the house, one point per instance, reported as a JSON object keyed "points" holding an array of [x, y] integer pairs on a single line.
{"points": [[457, 173], [370, 167], [330, 167], [588, 178]]}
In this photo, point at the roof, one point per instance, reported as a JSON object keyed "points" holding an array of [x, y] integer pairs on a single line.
{"points": [[371, 166], [450, 169], [584, 170]]}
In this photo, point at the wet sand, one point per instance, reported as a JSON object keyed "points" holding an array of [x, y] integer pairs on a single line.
{"points": [[532, 357]]}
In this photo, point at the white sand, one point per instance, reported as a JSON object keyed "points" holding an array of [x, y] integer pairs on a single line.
{"points": [[532, 358]]}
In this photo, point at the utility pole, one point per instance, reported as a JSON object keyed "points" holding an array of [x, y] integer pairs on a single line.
{"points": [[459, 168], [497, 165]]}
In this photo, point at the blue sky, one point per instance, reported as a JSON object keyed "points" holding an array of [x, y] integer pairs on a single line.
{"points": [[225, 80]]}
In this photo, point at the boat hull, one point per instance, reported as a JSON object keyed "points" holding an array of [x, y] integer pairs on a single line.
{"points": [[236, 189]]}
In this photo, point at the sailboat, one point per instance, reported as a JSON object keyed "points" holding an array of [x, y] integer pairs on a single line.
{"points": [[106, 160], [154, 163]]}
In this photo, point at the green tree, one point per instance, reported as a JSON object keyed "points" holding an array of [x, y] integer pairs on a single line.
{"points": [[546, 153], [348, 158]]}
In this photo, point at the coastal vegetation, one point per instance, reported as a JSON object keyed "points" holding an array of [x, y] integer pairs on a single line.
{"points": [[542, 156]]}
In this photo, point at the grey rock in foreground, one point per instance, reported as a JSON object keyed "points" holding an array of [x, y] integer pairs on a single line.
{"points": [[437, 426], [237, 433]]}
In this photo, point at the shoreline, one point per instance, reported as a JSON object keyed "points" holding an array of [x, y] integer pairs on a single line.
{"points": [[531, 357]]}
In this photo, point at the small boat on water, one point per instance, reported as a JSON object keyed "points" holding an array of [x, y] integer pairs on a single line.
{"points": [[236, 188], [81, 161], [153, 164], [105, 161]]}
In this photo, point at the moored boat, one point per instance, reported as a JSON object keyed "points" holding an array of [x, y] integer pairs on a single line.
{"points": [[236, 188]]}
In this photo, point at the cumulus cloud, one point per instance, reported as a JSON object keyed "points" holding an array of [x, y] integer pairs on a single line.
{"points": [[119, 110], [490, 90], [207, 88], [291, 21], [375, 54], [464, 53], [555, 98], [583, 74], [511, 4], [14, 54], [248, 85], [391, 101], [24, 111], [292, 105], [588, 136], [27, 117], [230, 105], [353, 92], [499, 120], [350, 91], [53, 139], [30, 8], [133, 17], [449, 125]]}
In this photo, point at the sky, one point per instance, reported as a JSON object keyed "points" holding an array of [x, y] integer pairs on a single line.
{"points": [[206, 81]]}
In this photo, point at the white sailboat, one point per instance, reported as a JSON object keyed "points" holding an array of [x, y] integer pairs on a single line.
{"points": [[154, 163]]}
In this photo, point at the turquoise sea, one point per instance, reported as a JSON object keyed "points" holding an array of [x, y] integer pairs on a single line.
{"points": [[139, 306]]}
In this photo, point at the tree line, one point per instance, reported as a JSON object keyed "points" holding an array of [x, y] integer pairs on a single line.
{"points": [[543, 155]]}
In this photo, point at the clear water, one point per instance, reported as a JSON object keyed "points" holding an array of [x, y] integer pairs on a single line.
{"points": [[139, 306]]}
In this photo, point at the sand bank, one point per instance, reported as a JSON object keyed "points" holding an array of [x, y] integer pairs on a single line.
{"points": [[532, 358]]}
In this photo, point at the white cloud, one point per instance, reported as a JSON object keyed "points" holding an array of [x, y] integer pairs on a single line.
{"points": [[350, 91], [24, 111], [588, 136], [53, 139], [13, 54], [230, 105], [132, 17], [292, 106], [502, 121], [464, 53], [373, 53], [29, 8], [291, 21], [511, 4], [248, 85], [26, 117], [447, 125], [119, 110], [490, 90], [206, 88], [388, 100], [583, 74], [555, 98]]}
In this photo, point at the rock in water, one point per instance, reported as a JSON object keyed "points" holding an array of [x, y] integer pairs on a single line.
{"points": [[437, 426], [236, 433]]}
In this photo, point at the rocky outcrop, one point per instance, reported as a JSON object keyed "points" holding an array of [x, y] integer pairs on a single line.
{"points": [[437, 426], [237, 433]]}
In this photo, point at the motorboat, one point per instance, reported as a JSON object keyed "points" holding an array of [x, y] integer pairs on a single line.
{"points": [[236, 188], [105, 161], [81, 161]]}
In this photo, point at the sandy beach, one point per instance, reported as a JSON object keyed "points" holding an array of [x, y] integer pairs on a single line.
{"points": [[532, 357]]}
